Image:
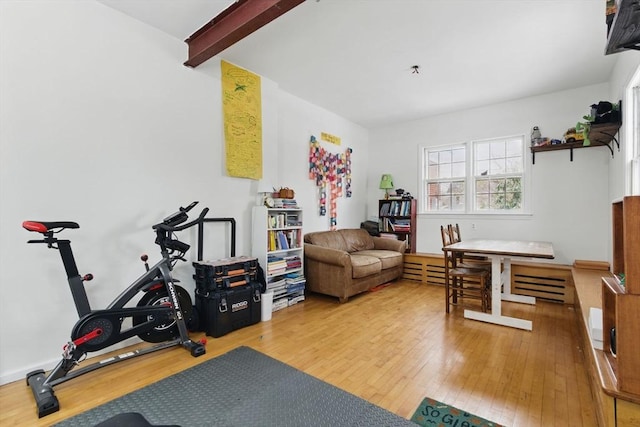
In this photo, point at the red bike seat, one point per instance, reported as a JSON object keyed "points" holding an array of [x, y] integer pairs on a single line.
{"points": [[44, 226]]}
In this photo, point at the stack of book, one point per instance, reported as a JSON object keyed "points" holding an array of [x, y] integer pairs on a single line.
{"points": [[276, 265], [278, 287], [396, 208], [401, 225], [293, 220], [285, 203], [280, 304], [293, 262], [295, 287]]}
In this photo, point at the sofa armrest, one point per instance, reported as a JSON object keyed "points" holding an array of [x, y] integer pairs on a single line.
{"points": [[327, 255], [389, 244]]}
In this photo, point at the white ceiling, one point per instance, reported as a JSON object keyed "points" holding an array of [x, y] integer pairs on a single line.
{"points": [[354, 57]]}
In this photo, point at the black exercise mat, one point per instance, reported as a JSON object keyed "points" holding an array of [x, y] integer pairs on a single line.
{"points": [[243, 388]]}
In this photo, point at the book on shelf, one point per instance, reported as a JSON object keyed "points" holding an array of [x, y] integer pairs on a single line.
{"points": [[385, 208], [279, 292], [276, 265], [282, 242], [293, 220], [400, 225], [395, 208], [295, 299], [294, 278], [285, 203], [292, 289], [280, 304]]}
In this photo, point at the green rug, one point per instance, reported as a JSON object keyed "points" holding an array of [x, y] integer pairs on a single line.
{"points": [[432, 413]]}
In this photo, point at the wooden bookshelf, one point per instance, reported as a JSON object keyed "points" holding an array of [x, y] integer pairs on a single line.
{"points": [[277, 242], [621, 298], [397, 218]]}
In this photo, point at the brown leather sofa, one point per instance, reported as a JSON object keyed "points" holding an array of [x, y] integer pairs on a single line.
{"points": [[343, 263]]}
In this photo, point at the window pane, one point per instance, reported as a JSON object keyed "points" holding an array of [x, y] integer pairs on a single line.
{"points": [[497, 166], [512, 201], [514, 165], [482, 202], [445, 188], [457, 203], [445, 156], [433, 157], [482, 151], [482, 167], [482, 186], [497, 201], [433, 171], [513, 184], [444, 170], [457, 187], [497, 149], [514, 148], [457, 170], [458, 155]]}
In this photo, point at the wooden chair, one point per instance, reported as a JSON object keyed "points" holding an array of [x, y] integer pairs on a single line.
{"points": [[463, 260], [462, 282]]}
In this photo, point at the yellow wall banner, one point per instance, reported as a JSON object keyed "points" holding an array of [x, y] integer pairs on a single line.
{"points": [[330, 138], [242, 110]]}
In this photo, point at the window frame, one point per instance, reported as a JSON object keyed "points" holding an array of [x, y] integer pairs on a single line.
{"points": [[470, 179]]}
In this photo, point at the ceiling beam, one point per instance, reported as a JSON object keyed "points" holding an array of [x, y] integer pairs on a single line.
{"points": [[232, 25]]}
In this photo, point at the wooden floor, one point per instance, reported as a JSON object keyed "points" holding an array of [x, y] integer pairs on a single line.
{"points": [[392, 347]]}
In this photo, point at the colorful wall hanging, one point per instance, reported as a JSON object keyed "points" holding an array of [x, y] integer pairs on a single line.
{"points": [[331, 172], [242, 110]]}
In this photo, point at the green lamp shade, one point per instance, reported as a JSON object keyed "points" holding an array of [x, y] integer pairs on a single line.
{"points": [[386, 182]]}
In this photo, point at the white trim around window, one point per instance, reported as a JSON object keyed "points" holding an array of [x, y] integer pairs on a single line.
{"points": [[478, 177]]}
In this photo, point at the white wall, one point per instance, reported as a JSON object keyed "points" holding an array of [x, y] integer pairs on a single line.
{"points": [[298, 121], [569, 199], [100, 123]]}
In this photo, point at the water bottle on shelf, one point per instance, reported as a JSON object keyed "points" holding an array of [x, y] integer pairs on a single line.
{"points": [[536, 136]]}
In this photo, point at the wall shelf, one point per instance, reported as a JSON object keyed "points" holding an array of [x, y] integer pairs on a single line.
{"points": [[600, 134]]}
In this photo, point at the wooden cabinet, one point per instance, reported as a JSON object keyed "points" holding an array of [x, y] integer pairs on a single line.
{"points": [[621, 298], [397, 219], [277, 242]]}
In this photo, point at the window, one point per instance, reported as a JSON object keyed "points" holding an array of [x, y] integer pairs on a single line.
{"points": [[635, 140], [476, 177], [446, 179]]}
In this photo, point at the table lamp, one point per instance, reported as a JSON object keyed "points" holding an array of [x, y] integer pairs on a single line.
{"points": [[386, 183], [264, 190]]}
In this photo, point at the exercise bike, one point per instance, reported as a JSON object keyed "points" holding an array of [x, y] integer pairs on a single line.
{"points": [[159, 317]]}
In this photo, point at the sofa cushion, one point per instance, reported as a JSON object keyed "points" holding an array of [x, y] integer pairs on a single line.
{"points": [[327, 239], [357, 239], [364, 265], [389, 259]]}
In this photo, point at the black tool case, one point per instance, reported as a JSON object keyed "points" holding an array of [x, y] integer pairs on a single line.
{"points": [[225, 273], [228, 290], [224, 310]]}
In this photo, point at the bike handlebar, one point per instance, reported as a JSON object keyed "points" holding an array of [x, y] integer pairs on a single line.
{"points": [[167, 227]]}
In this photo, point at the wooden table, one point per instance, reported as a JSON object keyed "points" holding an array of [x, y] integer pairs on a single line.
{"points": [[501, 252]]}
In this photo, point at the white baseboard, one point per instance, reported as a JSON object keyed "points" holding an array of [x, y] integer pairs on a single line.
{"points": [[21, 374]]}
